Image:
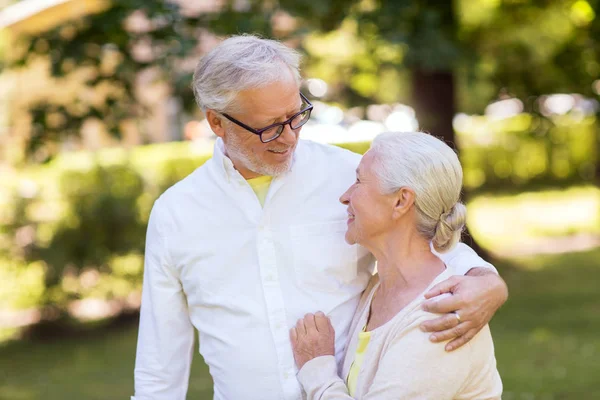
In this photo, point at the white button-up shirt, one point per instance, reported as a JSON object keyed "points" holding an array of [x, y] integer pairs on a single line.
{"points": [[242, 275]]}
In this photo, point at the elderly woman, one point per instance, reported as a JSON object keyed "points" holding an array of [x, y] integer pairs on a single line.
{"points": [[405, 199]]}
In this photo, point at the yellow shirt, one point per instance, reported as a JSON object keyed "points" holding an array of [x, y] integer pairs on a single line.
{"points": [[361, 349], [260, 186]]}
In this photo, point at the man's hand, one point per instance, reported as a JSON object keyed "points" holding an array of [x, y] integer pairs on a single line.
{"points": [[312, 337], [474, 300]]}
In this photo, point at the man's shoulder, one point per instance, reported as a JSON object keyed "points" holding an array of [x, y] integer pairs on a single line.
{"points": [[185, 187]]}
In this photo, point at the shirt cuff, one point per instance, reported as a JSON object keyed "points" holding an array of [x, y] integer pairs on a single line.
{"points": [[318, 372]]}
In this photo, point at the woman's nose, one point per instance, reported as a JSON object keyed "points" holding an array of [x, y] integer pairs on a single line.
{"points": [[345, 198]]}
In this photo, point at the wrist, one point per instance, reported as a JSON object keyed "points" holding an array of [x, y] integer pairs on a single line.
{"points": [[497, 286], [480, 271]]}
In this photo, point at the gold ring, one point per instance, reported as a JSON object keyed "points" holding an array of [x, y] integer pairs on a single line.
{"points": [[457, 316]]}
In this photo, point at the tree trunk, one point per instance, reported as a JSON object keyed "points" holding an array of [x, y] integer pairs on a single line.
{"points": [[433, 97], [597, 175], [434, 100]]}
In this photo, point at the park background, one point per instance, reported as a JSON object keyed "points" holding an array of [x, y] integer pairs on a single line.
{"points": [[97, 118]]}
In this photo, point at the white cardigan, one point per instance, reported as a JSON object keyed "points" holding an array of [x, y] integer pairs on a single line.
{"points": [[401, 363]]}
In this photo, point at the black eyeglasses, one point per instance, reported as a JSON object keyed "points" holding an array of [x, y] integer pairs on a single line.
{"points": [[275, 130]]}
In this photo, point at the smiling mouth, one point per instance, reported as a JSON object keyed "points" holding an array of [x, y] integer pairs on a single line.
{"points": [[279, 151]]}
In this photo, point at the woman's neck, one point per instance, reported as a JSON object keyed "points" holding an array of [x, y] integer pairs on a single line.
{"points": [[405, 263], [406, 267]]}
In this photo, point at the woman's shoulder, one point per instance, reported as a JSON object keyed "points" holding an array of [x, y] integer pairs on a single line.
{"points": [[475, 357], [470, 371]]}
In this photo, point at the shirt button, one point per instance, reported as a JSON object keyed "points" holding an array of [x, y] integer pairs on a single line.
{"points": [[286, 375]]}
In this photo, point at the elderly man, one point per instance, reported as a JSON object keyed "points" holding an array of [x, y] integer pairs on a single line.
{"points": [[254, 239]]}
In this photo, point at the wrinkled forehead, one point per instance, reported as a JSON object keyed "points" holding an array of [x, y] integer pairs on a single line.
{"points": [[272, 99]]}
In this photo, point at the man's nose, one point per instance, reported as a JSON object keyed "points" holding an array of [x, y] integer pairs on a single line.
{"points": [[288, 136]]}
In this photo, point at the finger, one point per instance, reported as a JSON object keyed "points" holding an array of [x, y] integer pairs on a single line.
{"points": [[322, 322], [460, 341], [448, 334], [309, 323], [293, 336], [300, 328], [446, 286], [444, 305], [447, 321]]}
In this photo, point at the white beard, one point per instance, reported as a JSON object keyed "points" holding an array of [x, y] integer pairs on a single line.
{"points": [[236, 150]]}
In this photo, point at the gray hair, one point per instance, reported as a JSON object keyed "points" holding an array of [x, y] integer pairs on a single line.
{"points": [[239, 63], [431, 168]]}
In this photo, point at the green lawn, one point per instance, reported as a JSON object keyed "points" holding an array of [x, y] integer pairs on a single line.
{"points": [[547, 344]]}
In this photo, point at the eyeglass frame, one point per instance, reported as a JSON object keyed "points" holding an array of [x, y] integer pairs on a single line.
{"points": [[259, 132]]}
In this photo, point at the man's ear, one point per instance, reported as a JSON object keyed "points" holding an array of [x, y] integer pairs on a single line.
{"points": [[403, 201], [216, 122]]}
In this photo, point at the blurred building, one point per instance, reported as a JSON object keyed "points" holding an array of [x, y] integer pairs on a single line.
{"points": [[34, 16], [30, 17]]}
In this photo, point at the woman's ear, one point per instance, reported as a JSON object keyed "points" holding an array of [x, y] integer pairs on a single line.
{"points": [[403, 201]]}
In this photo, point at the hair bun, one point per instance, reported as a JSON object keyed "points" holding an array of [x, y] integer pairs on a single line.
{"points": [[449, 228]]}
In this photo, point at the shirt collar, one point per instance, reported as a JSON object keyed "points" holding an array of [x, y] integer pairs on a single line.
{"points": [[222, 162]]}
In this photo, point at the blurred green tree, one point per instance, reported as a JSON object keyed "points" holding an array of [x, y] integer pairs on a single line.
{"points": [[453, 55], [458, 54], [462, 54]]}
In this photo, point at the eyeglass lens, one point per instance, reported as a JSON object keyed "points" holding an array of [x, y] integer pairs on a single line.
{"points": [[275, 132]]}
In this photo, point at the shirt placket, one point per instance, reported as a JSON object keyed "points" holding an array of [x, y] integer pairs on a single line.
{"points": [[276, 309]]}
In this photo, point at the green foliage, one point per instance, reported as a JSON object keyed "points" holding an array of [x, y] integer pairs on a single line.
{"points": [[428, 30], [528, 150], [319, 15], [524, 62], [521, 223], [81, 232], [491, 47], [22, 285], [102, 220]]}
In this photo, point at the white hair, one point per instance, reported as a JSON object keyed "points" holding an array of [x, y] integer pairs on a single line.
{"points": [[239, 63], [432, 170]]}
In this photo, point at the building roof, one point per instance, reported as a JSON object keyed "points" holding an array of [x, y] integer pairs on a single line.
{"points": [[34, 16]]}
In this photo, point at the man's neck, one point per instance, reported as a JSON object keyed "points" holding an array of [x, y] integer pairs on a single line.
{"points": [[243, 171], [247, 174]]}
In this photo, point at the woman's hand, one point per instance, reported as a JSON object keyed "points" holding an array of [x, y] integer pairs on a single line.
{"points": [[313, 336]]}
